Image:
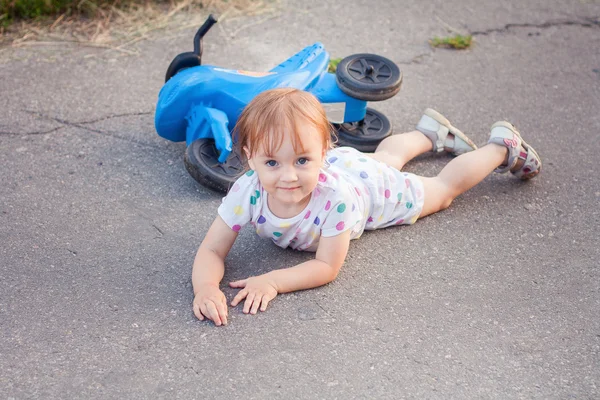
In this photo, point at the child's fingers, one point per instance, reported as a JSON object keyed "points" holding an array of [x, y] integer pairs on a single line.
{"points": [[197, 312], [222, 309], [239, 297], [256, 303], [265, 302], [210, 311], [238, 284], [248, 303]]}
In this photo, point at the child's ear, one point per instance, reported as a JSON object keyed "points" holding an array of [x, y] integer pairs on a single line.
{"points": [[250, 161]]}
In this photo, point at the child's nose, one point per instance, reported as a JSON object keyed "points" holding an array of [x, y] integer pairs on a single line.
{"points": [[289, 174]]}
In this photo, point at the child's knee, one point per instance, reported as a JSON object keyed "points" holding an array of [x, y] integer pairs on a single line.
{"points": [[446, 201], [446, 196]]}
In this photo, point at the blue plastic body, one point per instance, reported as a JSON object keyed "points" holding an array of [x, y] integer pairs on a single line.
{"points": [[206, 101]]}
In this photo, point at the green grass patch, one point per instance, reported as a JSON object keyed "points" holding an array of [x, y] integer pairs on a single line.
{"points": [[106, 11], [14, 10], [459, 42], [333, 63], [25, 9]]}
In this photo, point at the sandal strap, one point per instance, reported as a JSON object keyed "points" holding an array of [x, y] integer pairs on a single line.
{"points": [[532, 162], [435, 129], [444, 136], [460, 143], [504, 134]]}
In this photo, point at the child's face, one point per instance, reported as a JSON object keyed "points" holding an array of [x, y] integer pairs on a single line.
{"points": [[289, 177]]}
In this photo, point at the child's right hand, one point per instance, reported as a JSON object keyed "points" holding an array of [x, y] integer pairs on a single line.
{"points": [[210, 302]]}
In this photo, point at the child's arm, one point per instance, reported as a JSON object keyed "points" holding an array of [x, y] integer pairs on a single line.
{"points": [[260, 290], [208, 270]]}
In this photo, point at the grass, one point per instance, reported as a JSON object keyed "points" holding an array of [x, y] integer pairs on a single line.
{"points": [[12, 11], [114, 24], [27, 9], [333, 63], [459, 42]]}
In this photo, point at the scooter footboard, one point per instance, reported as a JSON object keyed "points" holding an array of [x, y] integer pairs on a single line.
{"points": [[301, 59]]}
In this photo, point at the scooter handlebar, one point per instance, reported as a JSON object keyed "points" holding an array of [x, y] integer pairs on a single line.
{"points": [[210, 21]]}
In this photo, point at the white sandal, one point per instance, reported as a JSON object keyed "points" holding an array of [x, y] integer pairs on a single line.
{"points": [[505, 134], [443, 135]]}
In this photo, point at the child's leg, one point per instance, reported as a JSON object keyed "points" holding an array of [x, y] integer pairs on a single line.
{"points": [[397, 150], [506, 151], [460, 175], [434, 133]]}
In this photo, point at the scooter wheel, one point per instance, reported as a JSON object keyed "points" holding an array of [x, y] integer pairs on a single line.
{"points": [[181, 62], [202, 163], [368, 77], [364, 135]]}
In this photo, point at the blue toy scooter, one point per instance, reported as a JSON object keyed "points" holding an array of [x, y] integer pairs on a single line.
{"points": [[201, 103]]}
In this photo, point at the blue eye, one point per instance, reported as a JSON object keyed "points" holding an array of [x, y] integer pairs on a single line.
{"points": [[302, 161], [271, 163]]}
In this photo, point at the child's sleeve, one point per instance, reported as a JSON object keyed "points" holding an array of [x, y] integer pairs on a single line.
{"points": [[236, 207], [343, 213]]}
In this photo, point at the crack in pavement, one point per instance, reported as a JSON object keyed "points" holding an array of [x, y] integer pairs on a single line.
{"points": [[107, 117], [68, 123], [418, 59], [30, 133], [159, 231], [585, 22], [82, 126]]}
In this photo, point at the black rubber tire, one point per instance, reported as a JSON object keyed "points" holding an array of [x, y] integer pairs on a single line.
{"points": [[181, 62], [202, 163], [368, 77], [364, 135]]}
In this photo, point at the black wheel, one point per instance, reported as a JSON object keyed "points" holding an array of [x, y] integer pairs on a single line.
{"points": [[364, 135], [181, 62], [368, 77], [202, 162]]}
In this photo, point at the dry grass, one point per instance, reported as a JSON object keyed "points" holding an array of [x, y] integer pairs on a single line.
{"points": [[119, 28]]}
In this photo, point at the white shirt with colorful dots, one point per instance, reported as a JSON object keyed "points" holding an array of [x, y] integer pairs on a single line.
{"points": [[353, 192]]}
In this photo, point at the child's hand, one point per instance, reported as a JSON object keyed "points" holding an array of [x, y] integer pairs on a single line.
{"points": [[258, 292], [210, 302]]}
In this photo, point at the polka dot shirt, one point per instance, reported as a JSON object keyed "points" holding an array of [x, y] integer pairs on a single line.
{"points": [[353, 192]]}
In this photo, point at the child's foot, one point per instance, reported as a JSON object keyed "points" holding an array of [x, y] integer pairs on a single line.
{"points": [[443, 135], [522, 159]]}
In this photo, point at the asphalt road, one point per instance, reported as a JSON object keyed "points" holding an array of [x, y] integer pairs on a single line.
{"points": [[497, 297]]}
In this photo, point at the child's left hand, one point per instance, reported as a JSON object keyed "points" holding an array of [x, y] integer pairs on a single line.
{"points": [[258, 292]]}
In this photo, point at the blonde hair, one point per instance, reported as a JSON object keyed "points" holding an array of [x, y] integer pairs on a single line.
{"points": [[273, 112]]}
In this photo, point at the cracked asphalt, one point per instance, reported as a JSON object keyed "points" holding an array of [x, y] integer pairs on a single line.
{"points": [[497, 297]]}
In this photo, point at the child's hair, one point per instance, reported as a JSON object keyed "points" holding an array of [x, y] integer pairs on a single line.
{"points": [[275, 111]]}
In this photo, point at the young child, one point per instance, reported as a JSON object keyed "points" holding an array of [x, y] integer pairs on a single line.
{"points": [[302, 193]]}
